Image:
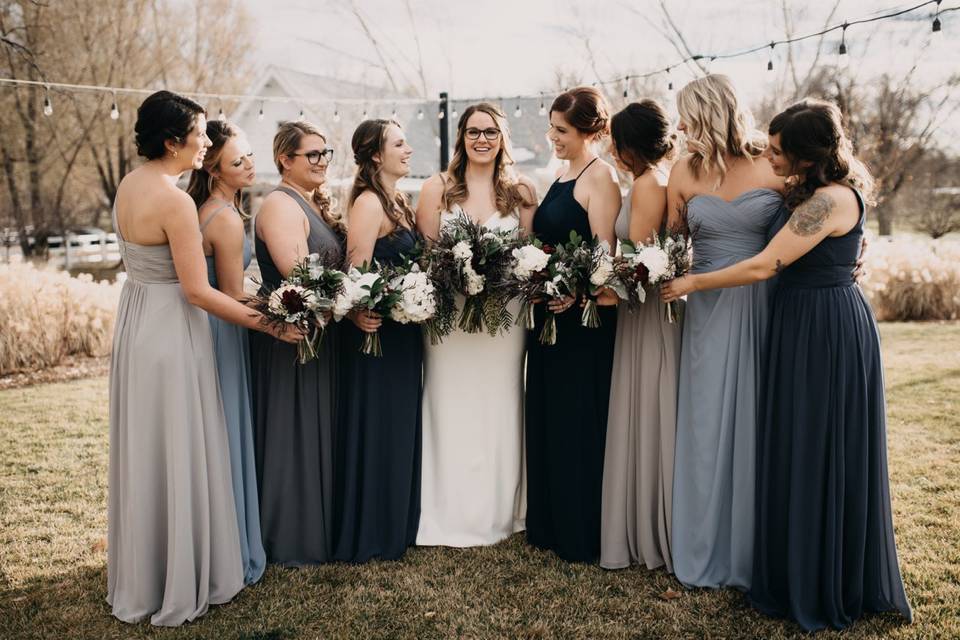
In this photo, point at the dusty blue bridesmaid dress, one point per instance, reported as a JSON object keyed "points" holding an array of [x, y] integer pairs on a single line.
{"points": [[231, 347], [724, 336]]}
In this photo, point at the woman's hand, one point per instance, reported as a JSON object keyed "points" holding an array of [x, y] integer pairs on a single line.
{"points": [[859, 271], [289, 333], [327, 315], [677, 288], [559, 305], [367, 321]]}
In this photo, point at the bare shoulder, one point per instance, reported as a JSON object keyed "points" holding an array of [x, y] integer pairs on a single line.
{"points": [[647, 184], [601, 173], [278, 201], [680, 173], [842, 196], [434, 185], [367, 206]]}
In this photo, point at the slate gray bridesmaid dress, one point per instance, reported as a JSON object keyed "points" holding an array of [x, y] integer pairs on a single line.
{"points": [[294, 407], [825, 552], [230, 345], [721, 357], [641, 430], [173, 547]]}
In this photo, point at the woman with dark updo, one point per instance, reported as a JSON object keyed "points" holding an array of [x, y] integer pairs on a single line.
{"points": [[173, 543], [642, 422]]}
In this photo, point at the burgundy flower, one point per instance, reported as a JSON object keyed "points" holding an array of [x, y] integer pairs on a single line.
{"points": [[292, 301]]}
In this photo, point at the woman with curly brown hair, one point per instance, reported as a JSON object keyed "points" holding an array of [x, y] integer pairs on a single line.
{"points": [[378, 424], [293, 403], [473, 486], [824, 549]]}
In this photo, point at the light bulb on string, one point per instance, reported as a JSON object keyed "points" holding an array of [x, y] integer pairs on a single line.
{"points": [[626, 83], [518, 112], [420, 114], [47, 105], [843, 41], [364, 114], [393, 114], [260, 113], [222, 117], [437, 141], [114, 111], [543, 107], [440, 112], [936, 19], [770, 60], [454, 114], [669, 80], [300, 116], [336, 115]]}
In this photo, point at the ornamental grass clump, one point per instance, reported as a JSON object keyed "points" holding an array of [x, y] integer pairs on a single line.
{"points": [[46, 315]]}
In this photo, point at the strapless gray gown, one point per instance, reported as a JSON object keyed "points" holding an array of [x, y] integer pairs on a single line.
{"points": [[173, 545], [721, 355]]}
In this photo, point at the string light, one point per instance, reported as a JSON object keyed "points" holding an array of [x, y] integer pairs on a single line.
{"points": [[626, 83], [300, 116], [222, 117], [936, 19], [843, 40], [543, 107], [454, 114], [770, 59], [114, 111], [440, 112], [518, 112], [336, 115], [420, 114], [669, 80], [394, 113], [47, 105], [260, 112]]}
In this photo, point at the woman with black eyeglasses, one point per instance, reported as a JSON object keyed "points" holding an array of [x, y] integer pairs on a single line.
{"points": [[472, 487], [293, 403]]}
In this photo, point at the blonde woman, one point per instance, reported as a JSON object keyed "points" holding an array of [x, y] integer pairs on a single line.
{"points": [[293, 404], [472, 488], [215, 188], [729, 199]]}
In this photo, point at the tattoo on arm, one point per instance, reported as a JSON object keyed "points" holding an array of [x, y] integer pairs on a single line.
{"points": [[808, 219], [779, 267]]}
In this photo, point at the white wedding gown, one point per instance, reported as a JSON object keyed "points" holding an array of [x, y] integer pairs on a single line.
{"points": [[473, 486]]}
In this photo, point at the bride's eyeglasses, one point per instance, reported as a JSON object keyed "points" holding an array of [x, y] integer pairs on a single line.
{"points": [[490, 134], [313, 157]]}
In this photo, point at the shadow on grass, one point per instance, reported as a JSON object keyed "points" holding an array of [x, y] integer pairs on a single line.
{"points": [[508, 590]]}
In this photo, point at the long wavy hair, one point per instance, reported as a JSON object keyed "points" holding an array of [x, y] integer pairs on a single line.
{"points": [[202, 181], [285, 143], [507, 193], [818, 150], [718, 125], [368, 141]]}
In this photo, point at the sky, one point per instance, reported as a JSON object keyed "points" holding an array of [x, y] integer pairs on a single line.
{"points": [[500, 48]]}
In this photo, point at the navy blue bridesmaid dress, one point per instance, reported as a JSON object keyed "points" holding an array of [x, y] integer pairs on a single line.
{"points": [[378, 437], [824, 548], [567, 397]]}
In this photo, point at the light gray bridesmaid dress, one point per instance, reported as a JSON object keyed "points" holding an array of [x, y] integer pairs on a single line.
{"points": [[173, 546], [724, 338], [638, 461]]}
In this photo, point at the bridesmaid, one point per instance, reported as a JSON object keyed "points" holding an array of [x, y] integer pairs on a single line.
{"points": [[472, 491], [568, 384], [215, 189], [641, 427], [294, 404], [729, 201], [173, 545], [825, 549], [378, 428]]}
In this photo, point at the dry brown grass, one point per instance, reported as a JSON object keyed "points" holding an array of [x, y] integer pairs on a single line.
{"points": [[53, 449]]}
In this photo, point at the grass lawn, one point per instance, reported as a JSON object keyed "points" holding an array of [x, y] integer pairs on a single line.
{"points": [[53, 468]]}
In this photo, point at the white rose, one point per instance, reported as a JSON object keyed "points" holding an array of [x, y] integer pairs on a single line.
{"points": [[656, 261], [529, 259], [602, 272]]}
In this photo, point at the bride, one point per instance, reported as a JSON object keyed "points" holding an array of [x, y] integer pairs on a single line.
{"points": [[472, 486]]}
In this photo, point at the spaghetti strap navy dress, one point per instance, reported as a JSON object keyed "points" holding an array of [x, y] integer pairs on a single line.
{"points": [[378, 438], [568, 392], [824, 549]]}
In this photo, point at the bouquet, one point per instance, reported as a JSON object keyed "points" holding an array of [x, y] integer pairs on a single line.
{"points": [[639, 267], [589, 268], [304, 299], [366, 289], [540, 273], [677, 247], [473, 261], [416, 301]]}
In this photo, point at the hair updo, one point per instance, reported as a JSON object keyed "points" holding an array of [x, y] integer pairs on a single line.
{"points": [[164, 116], [641, 135], [585, 109]]}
